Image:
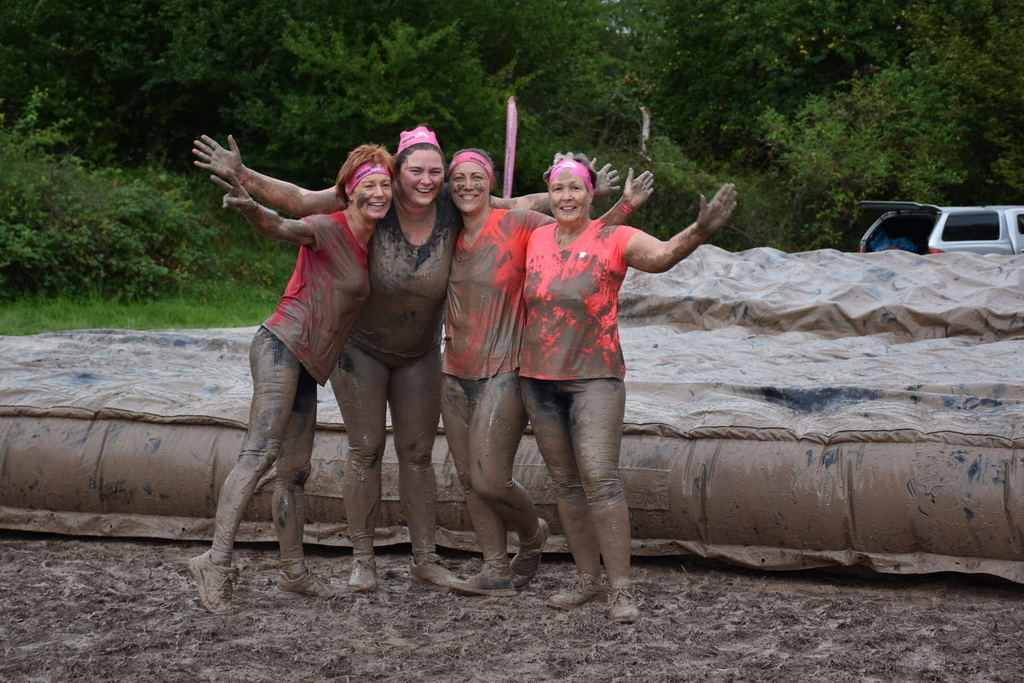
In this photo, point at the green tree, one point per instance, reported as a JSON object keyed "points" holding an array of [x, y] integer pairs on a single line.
{"points": [[302, 81], [713, 68], [92, 63], [969, 50], [453, 65], [136, 81], [886, 136]]}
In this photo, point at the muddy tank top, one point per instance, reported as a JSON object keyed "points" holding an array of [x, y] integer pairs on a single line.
{"points": [[408, 284], [324, 295], [485, 315]]}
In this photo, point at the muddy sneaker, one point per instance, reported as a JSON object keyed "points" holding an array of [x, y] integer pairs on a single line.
{"points": [[430, 572], [363, 578], [581, 591], [309, 585], [214, 583], [622, 607], [492, 581], [527, 561]]}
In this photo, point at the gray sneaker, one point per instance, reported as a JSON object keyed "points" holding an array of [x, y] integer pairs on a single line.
{"points": [[581, 591], [622, 607], [527, 561], [214, 582], [363, 578], [492, 581], [309, 585], [430, 572]]}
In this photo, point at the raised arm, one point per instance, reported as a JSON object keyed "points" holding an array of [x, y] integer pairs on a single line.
{"points": [[281, 195], [648, 253], [637, 191], [263, 220], [538, 202], [607, 179]]}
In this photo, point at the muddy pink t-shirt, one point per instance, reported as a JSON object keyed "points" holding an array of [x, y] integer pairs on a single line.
{"points": [[572, 304], [485, 314], [325, 294]]}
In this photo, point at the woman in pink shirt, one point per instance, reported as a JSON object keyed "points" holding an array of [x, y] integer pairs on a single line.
{"points": [[293, 351], [481, 403], [572, 369]]}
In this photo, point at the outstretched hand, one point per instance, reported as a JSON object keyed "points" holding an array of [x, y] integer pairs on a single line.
{"points": [[237, 198], [607, 179], [210, 156], [638, 190], [715, 213]]}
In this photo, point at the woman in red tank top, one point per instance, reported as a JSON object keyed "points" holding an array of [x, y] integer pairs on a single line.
{"points": [[293, 351]]}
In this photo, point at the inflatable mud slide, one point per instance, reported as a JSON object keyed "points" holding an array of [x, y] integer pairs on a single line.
{"points": [[784, 411]]}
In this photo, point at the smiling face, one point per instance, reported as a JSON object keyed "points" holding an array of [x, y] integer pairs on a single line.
{"points": [[570, 200], [371, 197], [421, 177], [470, 187]]}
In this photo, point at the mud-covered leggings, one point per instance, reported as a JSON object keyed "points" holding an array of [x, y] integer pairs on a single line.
{"points": [[578, 427], [484, 421], [366, 383], [282, 423]]}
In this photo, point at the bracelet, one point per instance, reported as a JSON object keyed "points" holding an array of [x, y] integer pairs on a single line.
{"points": [[625, 209]]}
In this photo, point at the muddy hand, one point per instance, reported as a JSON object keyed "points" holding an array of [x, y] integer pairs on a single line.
{"points": [[638, 190], [236, 199], [715, 213], [210, 156], [607, 179]]}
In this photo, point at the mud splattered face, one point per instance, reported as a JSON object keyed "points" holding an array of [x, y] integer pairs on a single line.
{"points": [[372, 196], [570, 200], [421, 177], [470, 187]]}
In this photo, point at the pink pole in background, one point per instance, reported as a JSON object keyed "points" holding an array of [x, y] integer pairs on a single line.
{"points": [[511, 123]]}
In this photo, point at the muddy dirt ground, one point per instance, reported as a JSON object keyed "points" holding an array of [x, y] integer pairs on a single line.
{"points": [[88, 609]]}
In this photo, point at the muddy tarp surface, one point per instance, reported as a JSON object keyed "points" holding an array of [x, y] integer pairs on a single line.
{"points": [[784, 411]]}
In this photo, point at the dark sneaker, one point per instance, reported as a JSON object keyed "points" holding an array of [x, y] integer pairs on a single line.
{"points": [[493, 582], [527, 561], [622, 606], [581, 591], [430, 572], [214, 582], [309, 585], [363, 578]]}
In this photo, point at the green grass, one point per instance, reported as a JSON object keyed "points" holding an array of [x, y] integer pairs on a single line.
{"points": [[230, 306]]}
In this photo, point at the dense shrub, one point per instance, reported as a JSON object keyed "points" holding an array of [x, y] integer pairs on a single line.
{"points": [[881, 136], [66, 229]]}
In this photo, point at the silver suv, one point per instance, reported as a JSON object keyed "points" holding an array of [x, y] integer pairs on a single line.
{"points": [[927, 229]]}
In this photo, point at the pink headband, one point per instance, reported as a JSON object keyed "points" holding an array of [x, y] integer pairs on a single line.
{"points": [[363, 171], [416, 136], [463, 157], [577, 169]]}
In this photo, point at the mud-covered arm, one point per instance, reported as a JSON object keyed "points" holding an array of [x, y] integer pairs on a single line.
{"points": [[528, 202], [607, 181], [648, 253], [263, 220], [281, 195], [638, 190]]}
